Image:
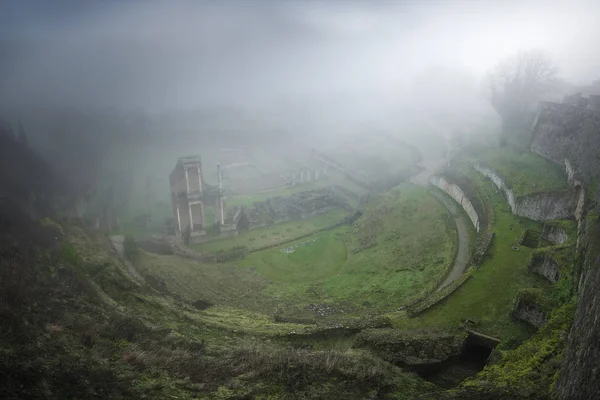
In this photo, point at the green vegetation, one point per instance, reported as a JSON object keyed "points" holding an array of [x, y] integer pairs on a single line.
{"points": [[379, 264], [488, 297], [524, 172], [376, 265], [273, 235], [529, 370], [110, 338], [299, 310]]}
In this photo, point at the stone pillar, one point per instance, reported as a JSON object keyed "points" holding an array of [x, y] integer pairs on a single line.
{"points": [[187, 180], [191, 216], [199, 179], [201, 215], [178, 220]]}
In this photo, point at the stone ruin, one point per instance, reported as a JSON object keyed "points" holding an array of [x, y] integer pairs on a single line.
{"points": [[591, 102], [189, 195], [275, 210]]}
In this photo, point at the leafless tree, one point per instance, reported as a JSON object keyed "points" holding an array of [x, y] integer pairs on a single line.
{"points": [[516, 85]]}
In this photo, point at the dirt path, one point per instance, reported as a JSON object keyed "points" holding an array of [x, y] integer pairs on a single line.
{"points": [[462, 230], [117, 242]]}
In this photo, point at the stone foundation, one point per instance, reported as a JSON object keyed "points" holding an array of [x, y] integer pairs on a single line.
{"points": [[527, 310], [546, 266], [454, 191]]}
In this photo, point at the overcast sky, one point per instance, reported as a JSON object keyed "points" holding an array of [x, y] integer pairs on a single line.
{"points": [[169, 54]]}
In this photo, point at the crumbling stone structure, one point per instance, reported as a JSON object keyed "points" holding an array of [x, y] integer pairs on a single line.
{"points": [[568, 133], [542, 206], [187, 196]]}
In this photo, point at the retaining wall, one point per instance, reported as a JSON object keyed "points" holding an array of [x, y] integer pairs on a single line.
{"points": [[541, 206], [454, 191]]}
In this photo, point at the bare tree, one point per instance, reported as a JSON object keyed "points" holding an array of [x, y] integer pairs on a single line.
{"points": [[516, 86]]}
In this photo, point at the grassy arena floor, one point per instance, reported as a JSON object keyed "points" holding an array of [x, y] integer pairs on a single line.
{"points": [[402, 245]]}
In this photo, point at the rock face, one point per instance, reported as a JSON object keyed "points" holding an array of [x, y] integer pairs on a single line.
{"points": [[410, 349], [580, 374], [563, 132], [537, 206], [569, 134], [546, 266], [554, 234], [528, 311]]}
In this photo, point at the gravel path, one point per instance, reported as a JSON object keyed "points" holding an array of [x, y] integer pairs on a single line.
{"points": [[117, 242], [462, 228]]}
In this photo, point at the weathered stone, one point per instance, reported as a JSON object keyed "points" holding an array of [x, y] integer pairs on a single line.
{"points": [[407, 348], [564, 132], [155, 246], [579, 378], [537, 206], [457, 193], [554, 234], [546, 266], [528, 311]]}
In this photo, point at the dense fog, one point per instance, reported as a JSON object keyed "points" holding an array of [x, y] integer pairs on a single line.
{"points": [[96, 84]]}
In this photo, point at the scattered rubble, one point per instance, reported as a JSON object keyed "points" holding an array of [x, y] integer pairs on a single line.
{"points": [[291, 249], [323, 310]]}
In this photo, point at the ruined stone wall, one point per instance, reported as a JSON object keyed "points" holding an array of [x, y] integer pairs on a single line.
{"points": [[570, 136], [538, 206], [567, 133], [579, 378], [554, 234], [454, 191]]}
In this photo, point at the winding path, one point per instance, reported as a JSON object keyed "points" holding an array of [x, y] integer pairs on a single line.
{"points": [[127, 268], [462, 229]]}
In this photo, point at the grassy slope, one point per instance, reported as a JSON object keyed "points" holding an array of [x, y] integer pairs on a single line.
{"points": [[488, 297], [526, 173], [328, 267], [80, 329]]}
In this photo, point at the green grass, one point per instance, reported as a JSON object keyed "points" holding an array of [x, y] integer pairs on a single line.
{"points": [[488, 297], [314, 258], [398, 226], [525, 172], [272, 235]]}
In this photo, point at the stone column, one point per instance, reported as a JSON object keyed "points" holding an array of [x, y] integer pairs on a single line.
{"points": [[199, 179], [187, 180], [191, 217]]}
